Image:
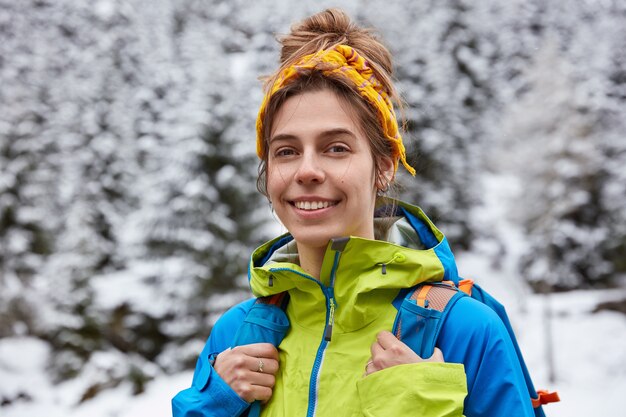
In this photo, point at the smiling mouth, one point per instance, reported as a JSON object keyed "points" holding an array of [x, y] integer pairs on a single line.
{"points": [[313, 205]]}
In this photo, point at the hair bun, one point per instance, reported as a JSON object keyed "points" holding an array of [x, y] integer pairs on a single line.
{"points": [[329, 28], [330, 21]]}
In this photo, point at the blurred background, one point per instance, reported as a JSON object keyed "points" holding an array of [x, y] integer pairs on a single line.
{"points": [[128, 206]]}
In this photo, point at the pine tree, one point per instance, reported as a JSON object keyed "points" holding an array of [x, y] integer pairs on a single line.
{"points": [[192, 234], [611, 108], [96, 154], [561, 139], [557, 153], [29, 152]]}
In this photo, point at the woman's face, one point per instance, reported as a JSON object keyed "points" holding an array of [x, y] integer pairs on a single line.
{"points": [[320, 170]]}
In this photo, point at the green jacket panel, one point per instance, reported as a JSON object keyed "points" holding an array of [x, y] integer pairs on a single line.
{"points": [[431, 389]]}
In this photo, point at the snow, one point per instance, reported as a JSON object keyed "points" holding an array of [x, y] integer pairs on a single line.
{"points": [[51, 400]]}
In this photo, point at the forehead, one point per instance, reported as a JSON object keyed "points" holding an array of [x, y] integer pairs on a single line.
{"points": [[314, 111]]}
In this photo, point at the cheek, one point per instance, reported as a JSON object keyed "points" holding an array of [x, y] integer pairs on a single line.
{"points": [[274, 180]]}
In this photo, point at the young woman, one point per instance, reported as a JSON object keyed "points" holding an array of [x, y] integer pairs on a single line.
{"points": [[330, 146]]}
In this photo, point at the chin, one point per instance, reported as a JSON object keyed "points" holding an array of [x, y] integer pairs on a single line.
{"points": [[312, 240]]}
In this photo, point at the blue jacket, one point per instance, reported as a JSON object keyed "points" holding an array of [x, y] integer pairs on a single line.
{"points": [[472, 335]]}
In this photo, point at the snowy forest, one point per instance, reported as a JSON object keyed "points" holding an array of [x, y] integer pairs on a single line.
{"points": [[128, 201]]}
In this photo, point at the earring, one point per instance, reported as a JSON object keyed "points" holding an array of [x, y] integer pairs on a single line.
{"points": [[382, 191]]}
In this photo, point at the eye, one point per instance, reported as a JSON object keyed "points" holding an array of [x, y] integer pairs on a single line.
{"points": [[284, 152], [338, 148]]}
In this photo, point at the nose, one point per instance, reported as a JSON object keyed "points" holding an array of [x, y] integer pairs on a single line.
{"points": [[310, 170]]}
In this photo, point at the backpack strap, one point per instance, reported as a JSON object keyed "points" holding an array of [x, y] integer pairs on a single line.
{"points": [[422, 314], [466, 285], [280, 300], [545, 397]]}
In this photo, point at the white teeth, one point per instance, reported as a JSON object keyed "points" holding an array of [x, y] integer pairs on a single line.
{"points": [[311, 205]]}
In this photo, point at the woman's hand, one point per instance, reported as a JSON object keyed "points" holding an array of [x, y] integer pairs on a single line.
{"points": [[249, 370], [388, 351]]}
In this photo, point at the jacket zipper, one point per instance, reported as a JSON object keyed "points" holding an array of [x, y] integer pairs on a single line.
{"points": [[331, 305]]}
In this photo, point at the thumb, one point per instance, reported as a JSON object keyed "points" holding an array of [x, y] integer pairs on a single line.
{"points": [[437, 356]]}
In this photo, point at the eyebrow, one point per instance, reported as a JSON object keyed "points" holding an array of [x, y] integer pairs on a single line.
{"points": [[327, 133]]}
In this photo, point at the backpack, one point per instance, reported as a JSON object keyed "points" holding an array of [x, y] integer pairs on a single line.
{"points": [[425, 308], [422, 310]]}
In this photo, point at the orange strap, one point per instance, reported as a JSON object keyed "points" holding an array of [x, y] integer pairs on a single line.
{"points": [[421, 296], [545, 397], [466, 286]]}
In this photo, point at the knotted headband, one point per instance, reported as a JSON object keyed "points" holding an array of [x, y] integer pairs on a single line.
{"points": [[345, 62]]}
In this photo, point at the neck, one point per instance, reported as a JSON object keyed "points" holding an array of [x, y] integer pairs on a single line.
{"points": [[311, 259]]}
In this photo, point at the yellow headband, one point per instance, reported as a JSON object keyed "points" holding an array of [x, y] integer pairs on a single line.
{"points": [[345, 62]]}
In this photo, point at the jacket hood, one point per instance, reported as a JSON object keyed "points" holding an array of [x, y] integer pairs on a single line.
{"points": [[354, 268]]}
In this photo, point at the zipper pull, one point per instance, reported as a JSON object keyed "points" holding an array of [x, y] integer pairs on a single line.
{"points": [[397, 257], [270, 281], [328, 332]]}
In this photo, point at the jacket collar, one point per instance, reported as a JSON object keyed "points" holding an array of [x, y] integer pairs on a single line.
{"points": [[358, 272]]}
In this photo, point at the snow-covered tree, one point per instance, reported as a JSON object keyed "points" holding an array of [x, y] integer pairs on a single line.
{"points": [[556, 147], [611, 108], [31, 114], [561, 119], [442, 55]]}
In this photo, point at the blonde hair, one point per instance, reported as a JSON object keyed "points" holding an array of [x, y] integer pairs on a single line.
{"points": [[324, 31]]}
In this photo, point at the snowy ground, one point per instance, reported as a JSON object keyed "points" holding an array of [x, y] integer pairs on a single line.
{"points": [[589, 348]]}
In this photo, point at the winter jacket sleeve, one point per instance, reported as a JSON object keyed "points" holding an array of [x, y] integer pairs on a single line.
{"points": [[209, 395], [476, 337], [428, 389]]}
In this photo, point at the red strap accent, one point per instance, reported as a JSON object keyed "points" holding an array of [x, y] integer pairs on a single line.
{"points": [[466, 286], [545, 397], [275, 299]]}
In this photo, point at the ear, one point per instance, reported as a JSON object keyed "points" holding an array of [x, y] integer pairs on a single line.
{"points": [[386, 173]]}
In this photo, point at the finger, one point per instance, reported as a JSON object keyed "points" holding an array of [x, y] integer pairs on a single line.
{"points": [[262, 380], [261, 393], [386, 339], [437, 356], [251, 392], [369, 367], [376, 349], [263, 365], [259, 350]]}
